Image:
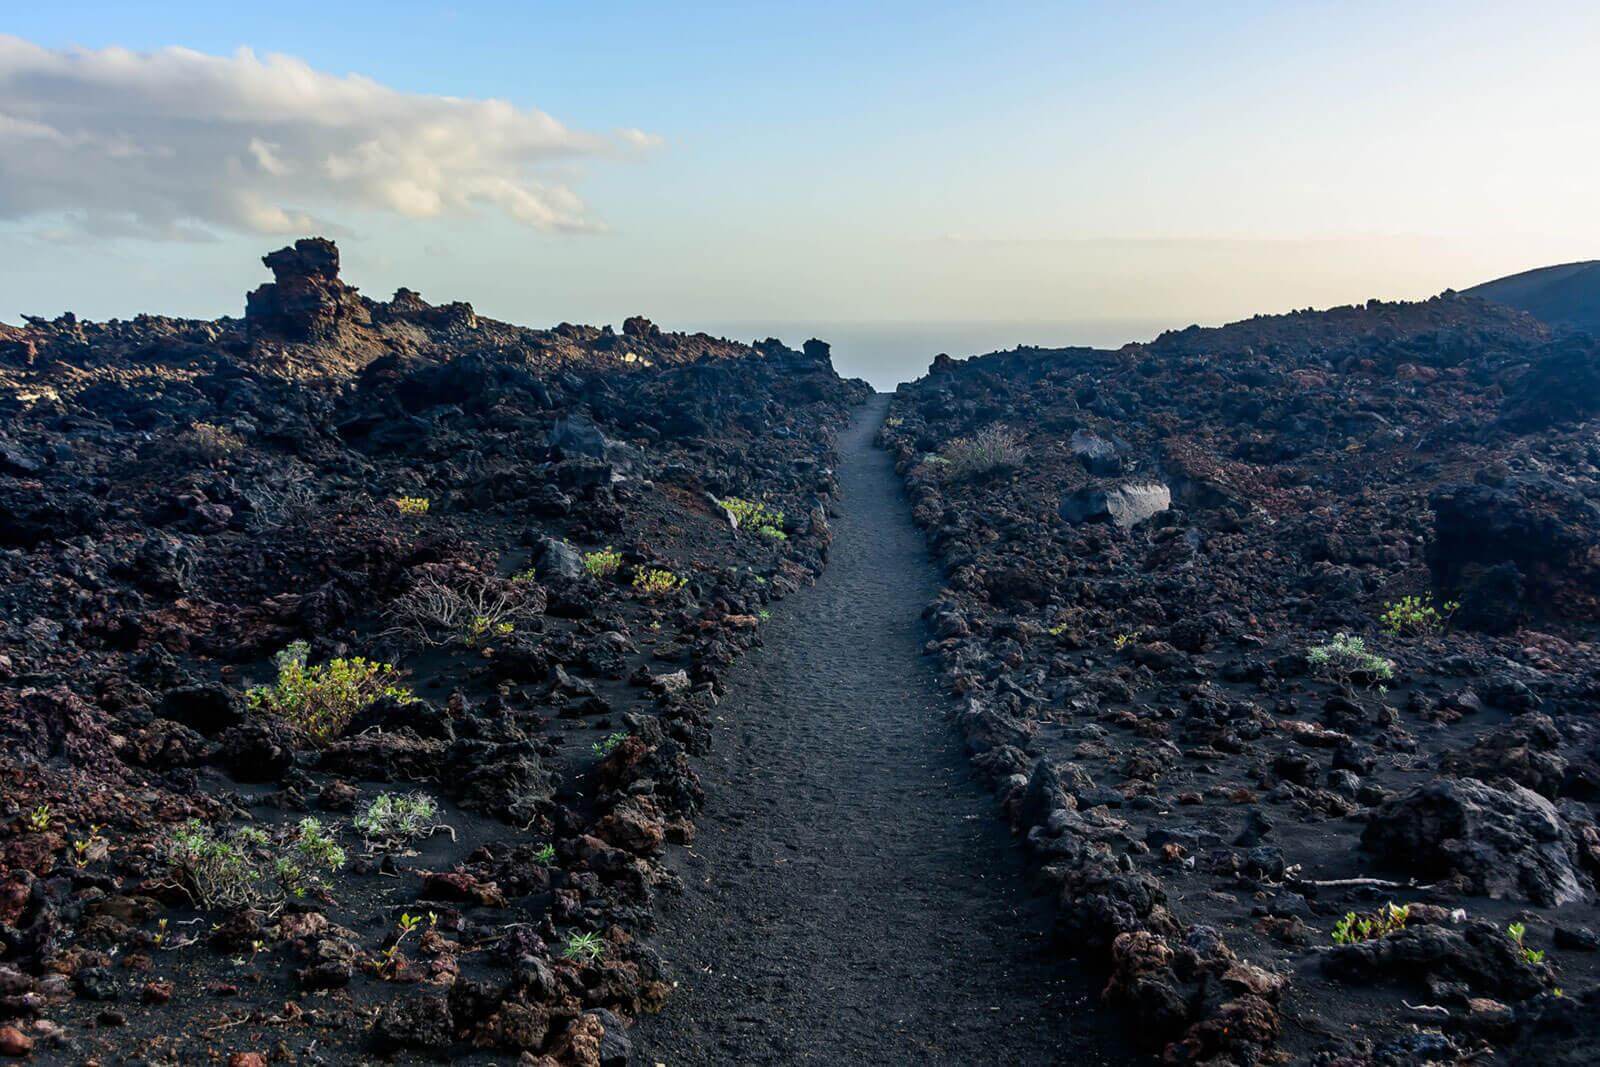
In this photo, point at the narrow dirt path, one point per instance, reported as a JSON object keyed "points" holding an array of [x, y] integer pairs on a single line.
{"points": [[852, 896]]}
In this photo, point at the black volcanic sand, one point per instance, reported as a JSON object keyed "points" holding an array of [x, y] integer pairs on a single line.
{"points": [[850, 897]]}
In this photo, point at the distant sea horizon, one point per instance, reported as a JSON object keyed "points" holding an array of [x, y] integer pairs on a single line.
{"points": [[887, 353]]}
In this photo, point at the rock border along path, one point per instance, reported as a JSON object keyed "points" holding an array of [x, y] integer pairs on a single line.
{"points": [[852, 896]]}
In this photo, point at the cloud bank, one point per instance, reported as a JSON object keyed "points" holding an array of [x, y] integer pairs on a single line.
{"points": [[178, 145]]}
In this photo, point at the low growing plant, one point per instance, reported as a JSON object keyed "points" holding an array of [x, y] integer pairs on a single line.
{"points": [[391, 820], [321, 701], [757, 517], [247, 868], [1415, 614], [39, 819], [1355, 928], [655, 582], [411, 505], [545, 856], [1345, 658], [608, 744], [993, 448], [602, 563], [585, 948]]}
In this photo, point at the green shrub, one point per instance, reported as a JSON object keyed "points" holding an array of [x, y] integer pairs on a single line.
{"points": [[993, 448], [1354, 928], [1518, 931], [655, 582], [247, 868], [1346, 658], [602, 563], [411, 505], [391, 820], [321, 701], [756, 516], [1417, 615]]}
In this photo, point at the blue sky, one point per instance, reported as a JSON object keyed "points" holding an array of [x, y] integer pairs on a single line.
{"points": [[898, 161]]}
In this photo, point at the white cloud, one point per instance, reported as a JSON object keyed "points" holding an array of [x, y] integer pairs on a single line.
{"points": [[176, 145]]}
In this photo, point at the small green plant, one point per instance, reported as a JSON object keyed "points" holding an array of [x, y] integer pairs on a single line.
{"points": [[391, 820], [39, 819], [655, 582], [545, 856], [764, 615], [160, 938], [1058, 629], [608, 744], [1345, 658], [1518, 931], [525, 577], [409, 924], [1354, 928], [993, 448], [1121, 641], [321, 701], [1415, 614], [411, 505], [756, 516], [894, 422], [585, 948], [602, 563], [85, 850], [310, 851]]}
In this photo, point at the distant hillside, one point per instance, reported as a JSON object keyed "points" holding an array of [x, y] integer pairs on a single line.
{"points": [[1567, 295]]}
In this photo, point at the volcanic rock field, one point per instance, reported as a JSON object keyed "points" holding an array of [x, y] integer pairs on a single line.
{"points": [[380, 682]]}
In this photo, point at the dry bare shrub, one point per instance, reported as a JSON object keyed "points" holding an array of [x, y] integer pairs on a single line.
{"points": [[992, 448], [435, 612]]}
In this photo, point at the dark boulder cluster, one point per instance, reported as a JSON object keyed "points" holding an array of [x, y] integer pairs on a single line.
{"points": [[1278, 647], [525, 525]]}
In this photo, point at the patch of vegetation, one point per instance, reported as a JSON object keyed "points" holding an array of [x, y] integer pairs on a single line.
{"points": [[1518, 931], [411, 505], [585, 948], [1121, 641], [86, 850], [993, 448], [602, 563], [1415, 614], [526, 576], [655, 582], [39, 819], [608, 744], [1355, 928], [246, 868], [545, 856], [433, 612], [754, 515], [321, 701], [391, 820], [210, 442], [1346, 658]]}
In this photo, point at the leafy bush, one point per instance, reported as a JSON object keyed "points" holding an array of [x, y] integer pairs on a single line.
{"points": [[605, 747], [246, 868], [321, 701], [756, 516], [655, 582], [411, 505], [992, 448], [432, 612], [1417, 615], [1346, 658], [1354, 928], [394, 819], [602, 563]]}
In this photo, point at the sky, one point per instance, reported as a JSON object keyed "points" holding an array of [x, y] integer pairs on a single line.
{"points": [[1119, 166]]}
